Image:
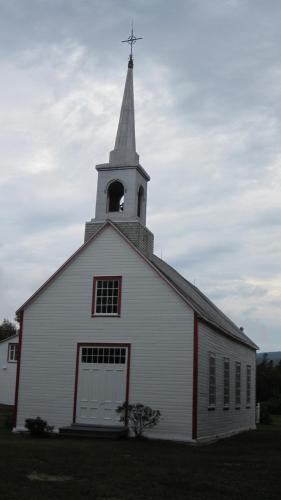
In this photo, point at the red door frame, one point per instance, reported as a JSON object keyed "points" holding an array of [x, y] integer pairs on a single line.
{"points": [[100, 344]]}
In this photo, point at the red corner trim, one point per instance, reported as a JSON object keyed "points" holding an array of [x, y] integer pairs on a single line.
{"points": [[100, 344], [195, 378], [18, 369]]}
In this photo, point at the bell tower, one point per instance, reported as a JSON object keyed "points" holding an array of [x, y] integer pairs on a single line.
{"points": [[122, 182]]}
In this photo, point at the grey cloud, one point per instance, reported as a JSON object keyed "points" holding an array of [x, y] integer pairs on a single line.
{"points": [[207, 88]]}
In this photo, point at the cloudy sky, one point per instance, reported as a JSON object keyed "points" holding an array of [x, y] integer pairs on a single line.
{"points": [[207, 96]]}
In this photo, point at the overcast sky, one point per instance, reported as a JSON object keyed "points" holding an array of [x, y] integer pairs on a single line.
{"points": [[207, 82]]}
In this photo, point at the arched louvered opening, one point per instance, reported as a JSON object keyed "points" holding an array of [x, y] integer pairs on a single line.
{"points": [[140, 201], [115, 197]]}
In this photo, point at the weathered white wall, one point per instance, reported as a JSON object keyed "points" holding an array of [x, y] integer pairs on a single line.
{"points": [[157, 323], [8, 373], [217, 422]]}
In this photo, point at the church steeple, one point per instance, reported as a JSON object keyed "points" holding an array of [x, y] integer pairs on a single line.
{"points": [[124, 152], [122, 183]]}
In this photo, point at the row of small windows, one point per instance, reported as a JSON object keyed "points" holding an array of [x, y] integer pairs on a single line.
{"points": [[115, 198], [226, 383], [103, 355]]}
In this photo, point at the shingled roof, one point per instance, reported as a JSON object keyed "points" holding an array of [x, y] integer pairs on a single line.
{"points": [[205, 308]]}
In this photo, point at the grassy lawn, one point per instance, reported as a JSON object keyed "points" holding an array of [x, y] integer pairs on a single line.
{"points": [[247, 466]]}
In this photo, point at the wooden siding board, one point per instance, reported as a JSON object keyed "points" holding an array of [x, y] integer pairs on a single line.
{"points": [[7, 373], [157, 323], [220, 421]]}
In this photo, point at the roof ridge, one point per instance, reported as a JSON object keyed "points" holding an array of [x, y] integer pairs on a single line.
{"points": [[186, 297]]}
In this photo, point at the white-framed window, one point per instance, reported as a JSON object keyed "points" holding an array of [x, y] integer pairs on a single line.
{"points": [[104, 355], [212, 380], [226, 382], [248, 385], [12, 352], [106, 296], [237, 384]]}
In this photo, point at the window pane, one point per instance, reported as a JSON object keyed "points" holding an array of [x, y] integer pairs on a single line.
{"points": [[107, 295], [248, 386], [238, 384], [212, 380], [226, 382]]}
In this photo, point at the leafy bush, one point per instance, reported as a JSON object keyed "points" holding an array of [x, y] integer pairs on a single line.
{"points": [[138, 417], [38, 427], [274, 406], [265, 416]]}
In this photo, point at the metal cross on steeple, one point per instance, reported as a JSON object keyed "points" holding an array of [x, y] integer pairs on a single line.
{"points": [[132, 40]]}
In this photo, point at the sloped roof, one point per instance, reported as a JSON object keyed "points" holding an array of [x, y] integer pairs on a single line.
{"points": [[190, 293], [206, 309], [9, 338]]}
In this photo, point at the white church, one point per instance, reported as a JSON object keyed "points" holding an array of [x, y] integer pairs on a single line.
{"points": [[116, 324]]}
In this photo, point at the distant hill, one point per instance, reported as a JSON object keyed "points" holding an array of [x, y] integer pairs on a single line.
{"points": [[274, 356]]}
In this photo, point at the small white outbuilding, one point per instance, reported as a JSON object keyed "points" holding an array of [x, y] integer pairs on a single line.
{"points": [[116, 323], [8, 369]]}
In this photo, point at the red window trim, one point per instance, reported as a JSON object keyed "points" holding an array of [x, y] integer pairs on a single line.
{"points": [[107, 278], [100, 344], [8, 353]]}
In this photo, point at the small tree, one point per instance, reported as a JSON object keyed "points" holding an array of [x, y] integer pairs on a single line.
{"points": [[7, 329], [38, 427], [138, 417]]}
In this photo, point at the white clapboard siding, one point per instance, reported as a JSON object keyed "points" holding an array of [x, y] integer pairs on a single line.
{"points": [[154, 319], [218, 422], [8, 373]]}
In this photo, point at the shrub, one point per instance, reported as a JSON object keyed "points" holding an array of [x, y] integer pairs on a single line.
{"points": [[138, 417], [38, 427], [265, 416], [274, 406]]}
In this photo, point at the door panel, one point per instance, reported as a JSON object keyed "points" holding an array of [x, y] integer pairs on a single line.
{"points": [[102, 382]]}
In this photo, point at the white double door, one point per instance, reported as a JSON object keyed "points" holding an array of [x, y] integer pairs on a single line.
{"points": [[101, 384]]}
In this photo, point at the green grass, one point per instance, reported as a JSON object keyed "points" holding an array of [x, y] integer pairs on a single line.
{"points": [[247, 466]]}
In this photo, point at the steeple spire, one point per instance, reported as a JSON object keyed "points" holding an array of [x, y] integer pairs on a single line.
{"points": [[124, 152], [122, 183]]}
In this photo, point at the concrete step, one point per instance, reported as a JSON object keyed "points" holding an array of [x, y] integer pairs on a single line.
{"points": [[94, 431]]}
